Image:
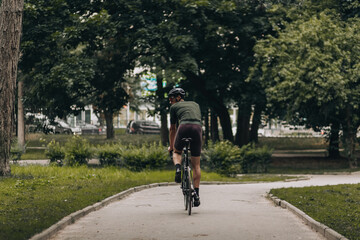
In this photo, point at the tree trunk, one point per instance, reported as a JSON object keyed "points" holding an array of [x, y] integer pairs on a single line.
{"points": [[334, 141], [243, 124], [10, 29], [255, 124], [350, 139], [110, 133], [216, 103], [207, 129], [225, 122], [20, 117], [164, 131], [214, 127]]}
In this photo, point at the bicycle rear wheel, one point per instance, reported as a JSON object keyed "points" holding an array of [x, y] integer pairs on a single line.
{"points": [[186, 201], [184, 187], [189, 193]]}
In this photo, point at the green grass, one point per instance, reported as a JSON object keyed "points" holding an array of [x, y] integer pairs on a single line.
{"points": [[34, 154], [338, 207], [35, 197]]}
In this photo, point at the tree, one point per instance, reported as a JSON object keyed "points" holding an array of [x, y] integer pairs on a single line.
{"points": [[211, 44], [312, 68], [107, 36], [10, 27], [53, 70]]}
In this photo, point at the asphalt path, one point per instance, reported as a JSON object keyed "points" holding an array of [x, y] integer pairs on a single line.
{"points": [[239, 211]]}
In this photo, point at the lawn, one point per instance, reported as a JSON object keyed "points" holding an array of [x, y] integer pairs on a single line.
{"points": [[35, 197], [338, 206]]}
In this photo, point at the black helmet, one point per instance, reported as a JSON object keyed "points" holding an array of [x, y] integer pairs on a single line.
{"points": [[177, 91]]}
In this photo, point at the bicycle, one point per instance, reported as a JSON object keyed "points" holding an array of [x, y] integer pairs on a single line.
{"points": [[186, 177]]}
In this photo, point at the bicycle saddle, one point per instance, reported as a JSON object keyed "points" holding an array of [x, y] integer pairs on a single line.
{"points": [[186, 139]]}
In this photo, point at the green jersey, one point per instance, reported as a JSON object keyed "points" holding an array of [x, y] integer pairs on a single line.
{"points": [[185, 112]]}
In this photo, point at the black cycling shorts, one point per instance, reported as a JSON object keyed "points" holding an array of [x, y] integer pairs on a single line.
{"points": [[193, 131]]}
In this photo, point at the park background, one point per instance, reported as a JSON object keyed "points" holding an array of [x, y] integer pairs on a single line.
{"points": [[293, 61]]}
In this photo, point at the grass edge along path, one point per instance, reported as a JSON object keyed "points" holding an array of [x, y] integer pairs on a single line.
{"points": [[36, 197], [336, 206]]}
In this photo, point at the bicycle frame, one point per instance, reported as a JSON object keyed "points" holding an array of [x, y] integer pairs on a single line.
{"points": [[186, 177], [186, 182]]}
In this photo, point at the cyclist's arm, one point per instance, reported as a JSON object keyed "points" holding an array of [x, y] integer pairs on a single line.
{"points": [[172, 133]]}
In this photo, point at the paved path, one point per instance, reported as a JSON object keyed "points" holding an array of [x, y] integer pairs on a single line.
{"points": [[226, 212]]}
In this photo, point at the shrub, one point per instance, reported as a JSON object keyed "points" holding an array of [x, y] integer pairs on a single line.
{"points": [[55, 152], [222, 157], [16, 150], [255, 160], [77, 151], [148, 156], [228, 159], [133, 158], [156, 156], [109, 154]]}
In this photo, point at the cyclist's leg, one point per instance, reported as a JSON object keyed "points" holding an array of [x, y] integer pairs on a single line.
{"points": [[195, 161], [177, 162], [177, 157], [196, 145], [196, 178]]}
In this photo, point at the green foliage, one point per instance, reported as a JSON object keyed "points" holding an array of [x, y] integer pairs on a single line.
{"points": [[77, 151], [135, 158], [148, 156], [223, 157], [311, 69], [109, 154], [55, 152], [255, 160], [16, 151], [228, 159]]}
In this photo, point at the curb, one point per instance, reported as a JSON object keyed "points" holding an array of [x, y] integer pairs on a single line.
{"points": [[324, 230]]}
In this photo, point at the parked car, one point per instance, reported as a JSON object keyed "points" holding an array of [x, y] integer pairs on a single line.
{"points": [[58, 127], [87, 128], [142, 127], [76, 130]]}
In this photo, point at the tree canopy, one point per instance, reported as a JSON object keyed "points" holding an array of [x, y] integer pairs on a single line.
{"points": [[311, 68], [283, 57]]}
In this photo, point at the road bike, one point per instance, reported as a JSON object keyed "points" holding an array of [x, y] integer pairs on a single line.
{"points": [[187, 181], [186, 177]]}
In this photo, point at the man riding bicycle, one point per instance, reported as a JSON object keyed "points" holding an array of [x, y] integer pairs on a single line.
{"points": [[185, 122]]}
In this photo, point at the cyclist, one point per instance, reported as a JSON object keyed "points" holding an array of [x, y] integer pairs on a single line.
{"points": [[185, 122]]}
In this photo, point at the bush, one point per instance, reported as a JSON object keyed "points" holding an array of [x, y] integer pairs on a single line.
{"points": [[109, 154], [228, 159], [135, 158], [55, 152], [223, 157], [77, 151], [157, 156], [255, 160], [16, 151], [148, 156]]}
